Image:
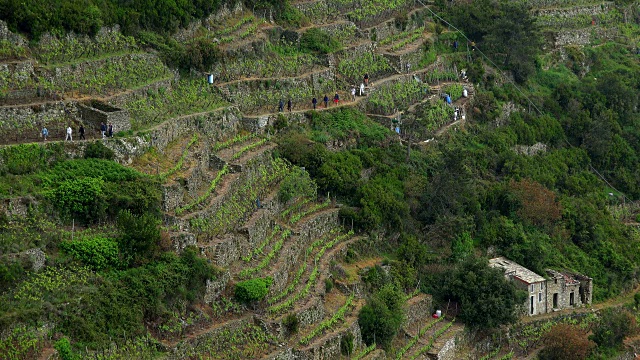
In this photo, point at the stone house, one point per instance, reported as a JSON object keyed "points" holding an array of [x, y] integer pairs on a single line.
{"points": [[560, 290]]}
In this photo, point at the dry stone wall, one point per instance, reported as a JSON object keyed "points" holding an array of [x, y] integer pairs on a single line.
{"points": [[418, 309], [218, 124], [24, 123]]}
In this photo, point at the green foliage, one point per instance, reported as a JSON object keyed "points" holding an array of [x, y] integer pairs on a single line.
{"points": [[381, 318], [87, 16], [340, 173], [19, 343], [97, 150], [328, 285], [327, 324], [318, 41], [28, 158], [462, 246], [346, 124], [614, 325], [506, 31], [96, 252], [486, 298], [291, 323], [297, 184], [140, 235], [252, 290], [64, 349], [80, 199], [346, 344]]}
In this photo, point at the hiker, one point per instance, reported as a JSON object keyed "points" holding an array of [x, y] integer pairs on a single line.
{"points": [[326, 101], [314, 101], [103, 129], [110, 130], [361, 89], [366, 79], [289, 105], [465, 92], [45, 133], [81, 131], [69, 131], [281, 106], [408, 67], [455, 45], [336, 99], [353, 93]]}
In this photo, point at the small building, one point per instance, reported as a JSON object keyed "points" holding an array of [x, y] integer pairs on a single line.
{"points": [[95, 112], [560, 290]]}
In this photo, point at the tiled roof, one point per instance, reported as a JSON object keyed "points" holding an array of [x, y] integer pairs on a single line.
{"points": [[513, 269]]}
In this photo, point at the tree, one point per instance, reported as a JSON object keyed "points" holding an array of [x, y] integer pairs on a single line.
{"points": [[614, 325], [140, 235], [462, 246], [381, 318], [487, 299], [566, 342]]}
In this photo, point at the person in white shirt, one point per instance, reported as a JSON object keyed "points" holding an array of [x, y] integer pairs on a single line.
{"points": [[69, 131]]}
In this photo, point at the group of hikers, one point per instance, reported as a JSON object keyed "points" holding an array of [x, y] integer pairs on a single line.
{"points": [[336, 97], [105, 130]]}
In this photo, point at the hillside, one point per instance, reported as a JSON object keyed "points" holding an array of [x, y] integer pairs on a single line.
{"points": [[230, 217]]}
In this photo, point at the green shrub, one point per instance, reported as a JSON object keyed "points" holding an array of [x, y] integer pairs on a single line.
{"points": [[252, 290], [297, 183], [80, 199], [97, 150], [328, 285], [291, 323], [64, 349], [346, 344], [97, 252], [613, 327], [140, 235], [318, 41], [381, 318]]}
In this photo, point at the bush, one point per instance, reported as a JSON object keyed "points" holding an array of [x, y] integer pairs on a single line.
{"points": [[80, 199], [346, 344], [297, 183], [381, 318], [328, 285], [613, 327], [318, 41], [252, 290], [140, 235], [566, 342], [97, 252], [64, 349], [291, 323], [486, 298], [97, 150]]}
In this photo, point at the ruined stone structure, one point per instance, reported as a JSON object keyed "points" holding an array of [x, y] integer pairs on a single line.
{"points": [[95, 112], [561, 290]]}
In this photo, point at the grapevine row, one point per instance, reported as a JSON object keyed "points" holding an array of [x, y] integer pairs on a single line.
{"points": [[327, 324], [205, 196], [274, 251], [178, 166]]}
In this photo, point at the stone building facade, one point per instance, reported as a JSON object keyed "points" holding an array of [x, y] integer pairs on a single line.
{"points": [[94, 113], [560, 290]]}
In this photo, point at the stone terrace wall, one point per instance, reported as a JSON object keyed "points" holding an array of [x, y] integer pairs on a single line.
{"points": [[300, 90], [330, 347], [25, 122], [415, 19], [418, 309], [183, 348], [219, 124], [6, 34]]}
